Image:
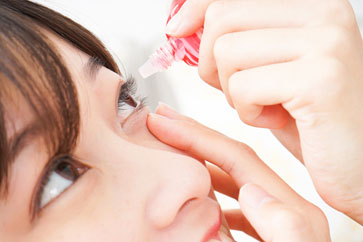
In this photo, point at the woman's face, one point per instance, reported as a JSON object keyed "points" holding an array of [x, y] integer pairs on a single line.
{"points": [[130, 186]]}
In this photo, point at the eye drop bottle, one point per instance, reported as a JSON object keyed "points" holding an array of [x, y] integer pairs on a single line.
{"points": [[175, 49]]}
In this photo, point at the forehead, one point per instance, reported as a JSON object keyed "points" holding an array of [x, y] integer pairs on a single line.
{"points": [[17, 111], [73, 58]]}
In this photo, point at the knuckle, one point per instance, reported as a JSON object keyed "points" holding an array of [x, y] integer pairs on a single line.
{"points": [[187, 144], [198, 132], [246, 150], [202, 72], [336, 38], [229, 166], [213, 12], [340, 11], [290, 220], [331, 78], [232, 164], [237, 90], [220, 46], [210, 76], [332, 7], [243, 100], [215, 17], [330, 69]]}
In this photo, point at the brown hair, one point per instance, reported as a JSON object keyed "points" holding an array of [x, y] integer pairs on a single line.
{"points": [[31, 68]]}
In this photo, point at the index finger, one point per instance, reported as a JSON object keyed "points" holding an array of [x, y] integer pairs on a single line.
{"points": [[235, 158]]}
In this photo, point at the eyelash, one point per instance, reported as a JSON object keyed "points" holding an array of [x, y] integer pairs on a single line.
{"points": [[126, 95]]}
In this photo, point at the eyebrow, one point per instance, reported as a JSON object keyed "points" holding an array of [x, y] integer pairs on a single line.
{"points": [[92, 67], [18, 141]]}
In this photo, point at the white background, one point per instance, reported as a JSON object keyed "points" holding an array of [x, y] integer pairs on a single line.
{"points": [[133, 29]]}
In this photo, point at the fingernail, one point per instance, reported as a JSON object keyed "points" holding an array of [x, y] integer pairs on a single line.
{"points": [[254, 195], [157, 116], [165, 106], [174, 24], [165, 110]]}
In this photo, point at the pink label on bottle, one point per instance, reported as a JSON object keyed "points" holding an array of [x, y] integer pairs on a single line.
{"points": [[191, 43]]}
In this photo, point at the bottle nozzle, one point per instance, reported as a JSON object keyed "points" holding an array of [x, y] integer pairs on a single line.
{"points": [[148, 69], [161, 59]]}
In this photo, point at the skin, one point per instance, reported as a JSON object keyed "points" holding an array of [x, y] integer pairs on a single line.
{"points": [[294, 67], [279, 215], [137, 188], [142, 189]]}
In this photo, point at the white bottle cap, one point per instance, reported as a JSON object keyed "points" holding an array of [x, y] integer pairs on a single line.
{"points": [[149, 68]]}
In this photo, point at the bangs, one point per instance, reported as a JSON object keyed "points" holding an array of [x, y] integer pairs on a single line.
{"points": [[32, 72]]}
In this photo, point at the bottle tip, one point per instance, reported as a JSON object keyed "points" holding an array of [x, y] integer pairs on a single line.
{"points": [[148, 69]]}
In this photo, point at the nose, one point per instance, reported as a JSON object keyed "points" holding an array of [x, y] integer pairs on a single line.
{"points": [[177, 179], [182, 179]]}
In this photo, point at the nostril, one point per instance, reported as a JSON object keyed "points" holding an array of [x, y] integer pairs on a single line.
{"points": [[163, 216]]}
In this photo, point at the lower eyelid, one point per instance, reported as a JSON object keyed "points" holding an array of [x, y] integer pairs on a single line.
{"points": [[140, 106]]}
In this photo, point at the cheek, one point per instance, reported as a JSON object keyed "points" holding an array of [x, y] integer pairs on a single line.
{"points": [[107, 205], [23, 179], [83, 231]]}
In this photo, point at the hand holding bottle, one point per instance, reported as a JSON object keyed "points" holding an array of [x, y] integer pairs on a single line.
{"points": [[295, 67]]}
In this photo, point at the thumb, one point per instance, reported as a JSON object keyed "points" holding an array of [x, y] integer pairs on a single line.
{"points": [[273, 220], [189, 19]]}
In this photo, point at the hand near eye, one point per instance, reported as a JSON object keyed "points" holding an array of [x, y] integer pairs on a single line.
{"points": [[296, 67], [279, 215]]}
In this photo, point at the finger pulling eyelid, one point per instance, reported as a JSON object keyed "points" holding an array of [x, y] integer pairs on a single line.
{"points": [[167, 111]]}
